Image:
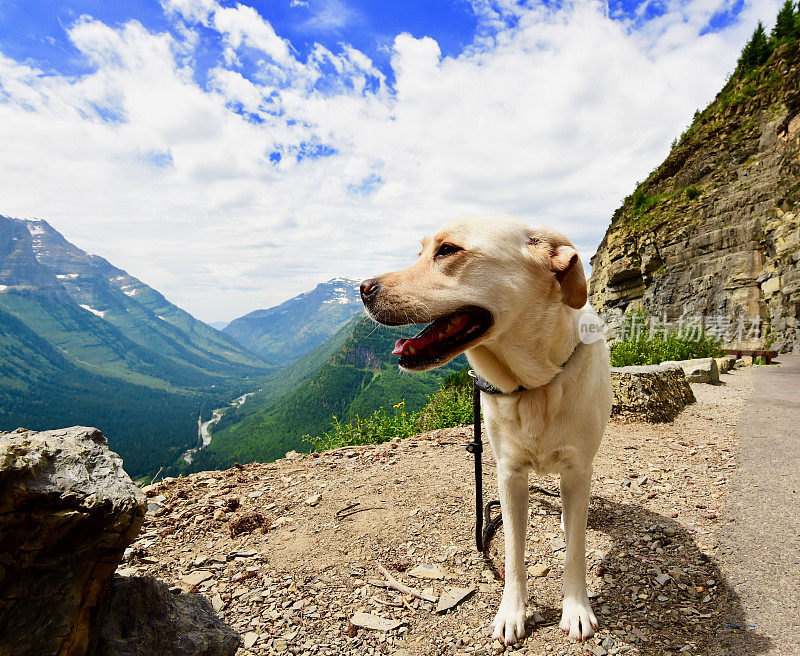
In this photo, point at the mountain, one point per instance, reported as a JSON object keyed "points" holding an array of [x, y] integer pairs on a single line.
{"points": [[358, 375], [84, 342], [295, 327], [219, 325], [714, 231]]}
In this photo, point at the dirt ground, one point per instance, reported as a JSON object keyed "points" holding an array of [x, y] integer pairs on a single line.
{"points": [[265, 544]]}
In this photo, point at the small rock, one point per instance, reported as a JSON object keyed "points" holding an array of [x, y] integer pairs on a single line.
{"points": [[451, 597], [280, 522], [426, 571], [196, 578], [539, 570], [662, 579], [557, 544], [313, 500], [246, 553], [374, 622], [250, 638], [216, 603]]}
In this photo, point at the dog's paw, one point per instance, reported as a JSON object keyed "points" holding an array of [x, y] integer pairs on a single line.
{"points": [[577, 619], [509, 624]]}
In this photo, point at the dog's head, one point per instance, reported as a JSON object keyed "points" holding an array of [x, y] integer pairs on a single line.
{"points": [[476, 280]]}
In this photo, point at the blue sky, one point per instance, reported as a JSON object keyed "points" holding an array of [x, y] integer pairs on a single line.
{"points": [[234, 154], [35, 29]]}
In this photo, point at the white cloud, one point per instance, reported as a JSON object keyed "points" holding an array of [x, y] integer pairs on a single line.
{"points": [[551, 116]]}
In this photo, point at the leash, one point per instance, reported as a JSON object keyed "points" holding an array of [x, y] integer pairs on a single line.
{"points": [[485, 524]]}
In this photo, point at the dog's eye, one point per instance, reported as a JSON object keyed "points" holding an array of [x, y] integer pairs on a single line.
{"points": [[447, 249]]}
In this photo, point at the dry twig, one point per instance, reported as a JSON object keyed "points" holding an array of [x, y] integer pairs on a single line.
{"points": [[393, 583]]}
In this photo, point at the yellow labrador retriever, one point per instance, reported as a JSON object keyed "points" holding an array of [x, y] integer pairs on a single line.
{"points": [[511, 297]]}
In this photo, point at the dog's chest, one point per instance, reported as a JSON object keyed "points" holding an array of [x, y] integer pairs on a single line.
{"points": [[524, 432]]}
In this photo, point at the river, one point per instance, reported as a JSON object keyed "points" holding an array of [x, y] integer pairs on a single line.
{"points": [[203, 427]]}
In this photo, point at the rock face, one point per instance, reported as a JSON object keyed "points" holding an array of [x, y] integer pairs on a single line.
{"points": [[714, 231], [146, 619], [653, 393], [67, 512]]}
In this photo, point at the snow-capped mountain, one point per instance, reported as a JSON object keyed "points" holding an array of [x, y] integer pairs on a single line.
{"points": [[288, 331]]}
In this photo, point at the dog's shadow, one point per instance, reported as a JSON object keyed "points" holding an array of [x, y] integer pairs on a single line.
{"points": [[694, 609]]}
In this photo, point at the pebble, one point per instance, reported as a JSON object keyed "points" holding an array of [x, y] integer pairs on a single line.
{"points": [[249, 639], [539, 570], [196, 578], [663, 579]]}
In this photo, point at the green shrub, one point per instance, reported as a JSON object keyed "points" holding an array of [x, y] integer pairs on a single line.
{"points": [[693, 192], [449, 406], [642, 348], [380, 426]]}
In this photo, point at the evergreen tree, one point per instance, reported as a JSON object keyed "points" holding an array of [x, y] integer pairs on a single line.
{"points": [[796, 33], [757, 50], [785, 23]]}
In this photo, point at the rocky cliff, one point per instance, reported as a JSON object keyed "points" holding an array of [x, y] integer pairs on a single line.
{"points": [[714, 231]]}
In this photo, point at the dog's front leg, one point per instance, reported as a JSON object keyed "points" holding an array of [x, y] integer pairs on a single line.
{"points": [[509, 623], [577, 618]]}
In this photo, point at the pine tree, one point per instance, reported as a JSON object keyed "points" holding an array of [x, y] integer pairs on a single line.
{"points": [[796, 33], [757, 50], [785, 23]]}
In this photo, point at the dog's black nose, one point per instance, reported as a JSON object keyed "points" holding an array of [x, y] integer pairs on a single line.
{"points": [[369, 288]]}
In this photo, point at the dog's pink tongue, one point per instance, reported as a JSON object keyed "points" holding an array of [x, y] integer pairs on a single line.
{"points": [[398, 346]]}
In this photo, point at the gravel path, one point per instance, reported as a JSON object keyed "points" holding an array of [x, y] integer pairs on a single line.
{"points": [[761, 544], [283, 562]]}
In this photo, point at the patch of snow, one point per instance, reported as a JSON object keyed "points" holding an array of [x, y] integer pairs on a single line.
{"points": [[99, 313], [3, 288], [160, 317], [341, 290], [131, 292], [66, 276], [119, 278], [35, 229], [342, 300]]}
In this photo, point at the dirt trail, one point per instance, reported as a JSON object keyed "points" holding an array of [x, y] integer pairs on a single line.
{"points": [[761, 543], [266, 545]]}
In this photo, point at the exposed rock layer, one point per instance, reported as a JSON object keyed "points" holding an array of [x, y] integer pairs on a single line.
{"points": [[714, 231], [67, 512]]}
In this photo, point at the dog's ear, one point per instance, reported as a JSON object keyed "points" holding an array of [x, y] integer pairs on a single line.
{"points": [[566, 264]]}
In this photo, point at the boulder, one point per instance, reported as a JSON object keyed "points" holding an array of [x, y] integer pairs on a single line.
{"points": [[146, 619], [725, 363], [67, 512], [700, 370], [653, 393]]}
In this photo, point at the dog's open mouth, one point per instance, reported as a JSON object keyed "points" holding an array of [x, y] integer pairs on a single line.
{"points": [[443, 339]]}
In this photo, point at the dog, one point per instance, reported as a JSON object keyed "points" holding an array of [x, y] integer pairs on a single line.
{"points": [[511, 298]]}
